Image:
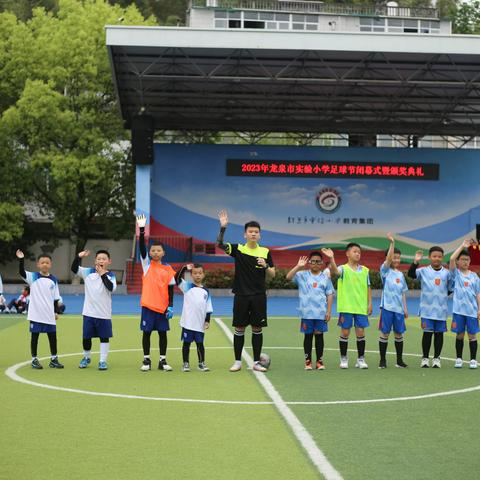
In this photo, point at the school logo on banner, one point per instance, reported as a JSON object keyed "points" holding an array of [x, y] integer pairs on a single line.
{"points": [[328, 200]]}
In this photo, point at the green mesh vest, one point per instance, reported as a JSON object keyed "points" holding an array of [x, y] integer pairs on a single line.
{"points": [[352, 291]]}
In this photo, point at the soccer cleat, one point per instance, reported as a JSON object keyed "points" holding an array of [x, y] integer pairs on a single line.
{"points": [[401, 364], [102, 366], [319, 365], [54, 363], [436, 363], [186, 367], [344, 362], [36, 364], [458, 363], [258, 367], [84, 362], [382, 364], [146, 365], [163, 365], [202, 367], [308, 365], [473, 364], [361, 363], [425, 363], [236, 367]]}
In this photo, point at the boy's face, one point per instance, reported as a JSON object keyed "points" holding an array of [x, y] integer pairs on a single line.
{"points": [[157, 252], [44, 264], [396, 260], [463, 262], [436, 259], [252, 234], [315, 263], [198, 275], [102, 260], [354, 254]]}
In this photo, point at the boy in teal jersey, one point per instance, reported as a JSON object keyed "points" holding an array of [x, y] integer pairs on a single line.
{"points": [[354, 301]]}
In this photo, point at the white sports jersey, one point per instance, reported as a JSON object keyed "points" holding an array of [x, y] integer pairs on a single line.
{"points": [[98, 299], [43, 293], [196, 304]]}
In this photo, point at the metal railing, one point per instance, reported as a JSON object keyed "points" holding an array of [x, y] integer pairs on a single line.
{"points": [[314, 7]]}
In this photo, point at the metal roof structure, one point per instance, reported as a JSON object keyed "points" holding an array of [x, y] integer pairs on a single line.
{"points": [[250, 80]]}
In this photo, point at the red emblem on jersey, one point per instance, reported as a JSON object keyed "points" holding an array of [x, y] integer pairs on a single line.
{"points": [[438, 281], [397, 280], [454, 325], [465, 284], [314, 285]]}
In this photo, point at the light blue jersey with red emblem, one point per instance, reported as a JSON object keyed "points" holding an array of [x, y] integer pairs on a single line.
{"points": [[465, 291], [312, 292], [394, 286]]}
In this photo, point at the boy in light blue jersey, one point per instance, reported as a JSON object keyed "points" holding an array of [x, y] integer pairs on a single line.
{"points": [[466, 303], [435, 281], [393, 305], [315, 291]]}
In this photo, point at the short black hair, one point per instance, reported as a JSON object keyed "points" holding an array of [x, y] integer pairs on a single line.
{"points": [[44, 255], [464, 253], [103, 251], [198, 265], [436, 248], [315, 253], [156, 244], [395, 251], [252, 224], [27, 288], [351, 245]]}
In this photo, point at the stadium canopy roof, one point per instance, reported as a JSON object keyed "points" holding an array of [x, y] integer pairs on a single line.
{"points": [[250, 80]]}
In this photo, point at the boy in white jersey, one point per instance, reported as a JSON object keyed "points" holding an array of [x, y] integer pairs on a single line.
{"points": [[393, 305], [43, 306], [436, 282], [97, 307], [315, 291], [197, 308], [466, 303]]}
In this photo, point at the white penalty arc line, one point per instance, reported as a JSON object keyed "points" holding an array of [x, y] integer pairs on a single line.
{"points": [[303, 436]]}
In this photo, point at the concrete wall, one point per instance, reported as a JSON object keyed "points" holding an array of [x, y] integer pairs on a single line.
{"points": [[62, 257]]}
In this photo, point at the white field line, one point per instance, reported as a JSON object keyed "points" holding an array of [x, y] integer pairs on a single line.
{"points": [[303, 436]]}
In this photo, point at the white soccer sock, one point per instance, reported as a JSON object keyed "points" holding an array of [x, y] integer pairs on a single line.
{"points": [[104, 351], [86, 353]]}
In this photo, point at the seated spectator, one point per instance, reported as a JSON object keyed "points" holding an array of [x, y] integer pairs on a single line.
{"points": [[20, 304], [3, 303]]}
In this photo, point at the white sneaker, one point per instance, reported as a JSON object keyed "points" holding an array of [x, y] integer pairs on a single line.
{"points": [[186, 367], [361, 363], [425, 363], [436, 363], [473, 364], [237, 366], [458, 363], [202, 367], [163, 365], [258, 367], [343, 362]]}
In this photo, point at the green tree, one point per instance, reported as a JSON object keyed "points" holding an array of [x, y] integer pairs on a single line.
{"points": [[63, 122], [467, 18]]}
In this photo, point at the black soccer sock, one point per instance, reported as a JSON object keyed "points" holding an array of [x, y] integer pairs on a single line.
{"points": [[34, 344], [52, 340], [162, 343], [473, 349], [343, 346], [186, 351], [426, 343], [146, 343], [319, 345], [257, 342], [307, 345], [438, 344], [399, 348], [459, 347], [238, 342], [361, 346], [201, 352], [382, 347], [87, 344]]}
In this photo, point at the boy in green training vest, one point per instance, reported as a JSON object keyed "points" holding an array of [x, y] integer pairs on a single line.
{"points": [[354, 301]]}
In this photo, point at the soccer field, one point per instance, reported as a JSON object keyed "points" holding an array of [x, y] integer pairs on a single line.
{"points": [[123, 423]]}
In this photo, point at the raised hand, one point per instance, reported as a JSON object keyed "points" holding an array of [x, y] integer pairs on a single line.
{"points": [[189, 267], [467, 243], [328, 252], [100, 269], [390, 238], [302, 262], [418, 256], [84, 253], [223, 217], [19, 254], [141, 221]]}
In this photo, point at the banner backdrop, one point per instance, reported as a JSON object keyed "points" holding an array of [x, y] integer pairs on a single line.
{"points": [[311, 196]]}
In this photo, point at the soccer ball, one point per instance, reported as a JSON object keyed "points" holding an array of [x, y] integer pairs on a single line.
{"points": [[265, 360]]}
